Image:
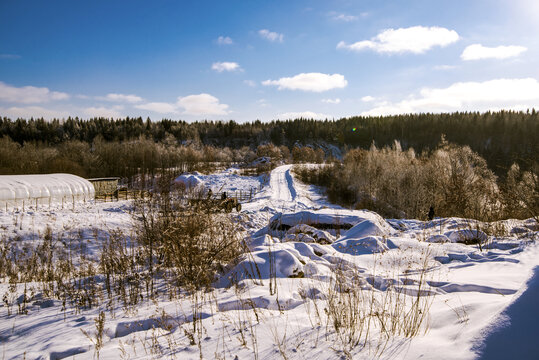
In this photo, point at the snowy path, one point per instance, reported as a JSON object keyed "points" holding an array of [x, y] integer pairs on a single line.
{"points": [[282, 194], [282, 184]]}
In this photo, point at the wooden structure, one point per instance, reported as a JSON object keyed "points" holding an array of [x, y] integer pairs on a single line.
{"points": [[105, 186]]}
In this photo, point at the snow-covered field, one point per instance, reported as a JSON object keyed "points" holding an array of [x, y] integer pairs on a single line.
{"points": [[319, 282]]}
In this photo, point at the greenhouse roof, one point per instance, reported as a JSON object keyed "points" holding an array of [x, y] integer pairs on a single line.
{"points": [[49, 187]]}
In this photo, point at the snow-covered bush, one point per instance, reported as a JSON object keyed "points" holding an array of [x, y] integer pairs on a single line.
{"points": [[399, 183]]}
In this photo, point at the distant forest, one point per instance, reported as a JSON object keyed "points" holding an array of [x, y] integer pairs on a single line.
{"points": [[501, 138]]}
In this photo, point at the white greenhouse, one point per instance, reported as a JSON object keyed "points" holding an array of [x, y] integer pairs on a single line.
{"points": [[20, 191]]}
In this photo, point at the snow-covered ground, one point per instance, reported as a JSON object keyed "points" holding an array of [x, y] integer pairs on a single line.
{"points": [[302, 291]]}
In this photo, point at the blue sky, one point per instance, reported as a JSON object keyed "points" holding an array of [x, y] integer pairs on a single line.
{"points": [[248, 60]]}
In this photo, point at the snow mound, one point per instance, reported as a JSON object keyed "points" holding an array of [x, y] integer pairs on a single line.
{"points": [[308, 234], [263, 264], [366, 245], [189, 180], [467, 236], [366, 228], [438, 239], [259, 241]]}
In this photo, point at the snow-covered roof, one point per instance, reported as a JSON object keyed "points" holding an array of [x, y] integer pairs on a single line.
{"points": [[325, 219], [15, 189]]}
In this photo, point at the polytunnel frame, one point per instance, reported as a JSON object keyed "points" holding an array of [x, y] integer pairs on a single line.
{"points": [[18, 191]]}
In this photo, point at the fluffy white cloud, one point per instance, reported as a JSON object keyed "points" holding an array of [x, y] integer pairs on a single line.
{"points": [[202, 104], [270, 35], [224, 40], [316, 82], [103, 112], [416, 39], [344, 17], [478, 52], [158, 107], [332, 101], [225, 66], [303, 114], [368, 98], [516, 94], [29, 94], [33, 111], [123, 98]]}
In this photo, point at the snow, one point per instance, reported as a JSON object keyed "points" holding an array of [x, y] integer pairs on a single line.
{"points": [[361, 246], [189, 180], [273, 302]]}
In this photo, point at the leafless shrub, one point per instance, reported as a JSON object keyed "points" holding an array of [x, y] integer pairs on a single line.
{"points": [[194, 242], [399, 183]]}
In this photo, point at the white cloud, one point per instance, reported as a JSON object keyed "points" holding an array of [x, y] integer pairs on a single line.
{"points": [[29, 94], [332, 101], [316, 82], [271, 36], [224, 40], [33, 111], [250, 83], [416, 39], [304, 114], [202, 104], [158, 107], [516, 94], [344, 17], [368, 98], [478, 52], [445, 67], [123, 98], [225, 66], [262, 102], [103, 112]]}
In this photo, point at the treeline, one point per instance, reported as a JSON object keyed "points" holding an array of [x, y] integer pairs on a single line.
{"points": [[128, 159], [501, 138]]}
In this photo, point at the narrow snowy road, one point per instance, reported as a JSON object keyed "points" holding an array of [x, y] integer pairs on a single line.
{"points": [[282, 184], [282, 194]]}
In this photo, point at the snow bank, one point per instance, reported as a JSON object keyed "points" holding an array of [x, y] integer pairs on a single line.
{"points": [[263, 264], [366, 245], [367, 228], [190, 181]]}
